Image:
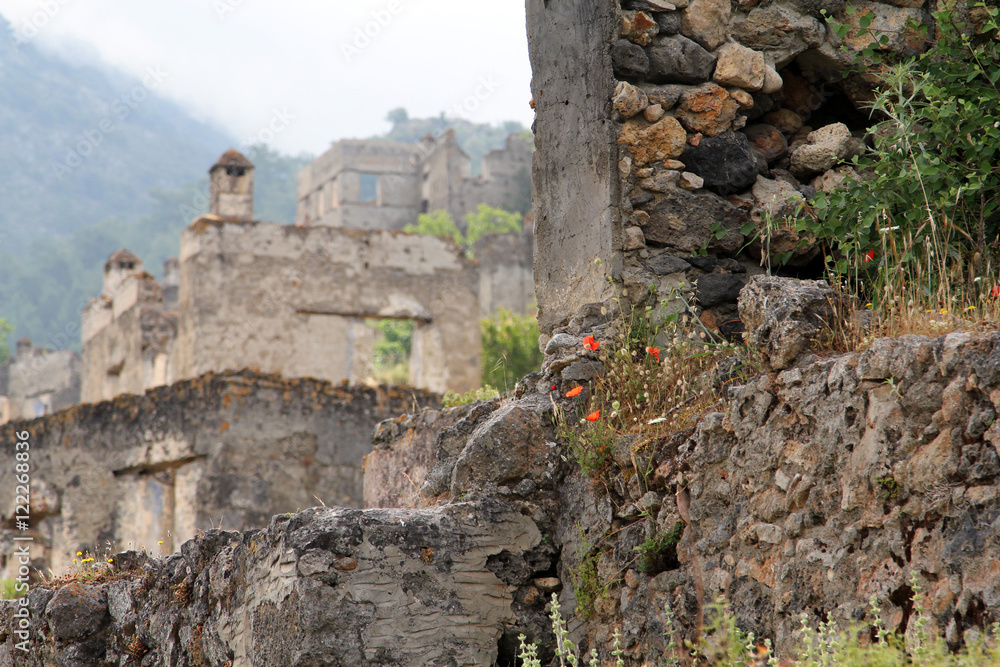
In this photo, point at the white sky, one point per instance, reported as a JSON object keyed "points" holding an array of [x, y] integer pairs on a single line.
{"points": [[236, 62]]}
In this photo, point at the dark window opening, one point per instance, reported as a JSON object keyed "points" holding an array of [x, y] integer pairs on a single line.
{"points": [[369, 188]]}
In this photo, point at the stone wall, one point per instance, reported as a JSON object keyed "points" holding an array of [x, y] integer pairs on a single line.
{"points": [[506, 269], [664, 128], [222, 450], [406, 179], [127, 336], [37, 381]]}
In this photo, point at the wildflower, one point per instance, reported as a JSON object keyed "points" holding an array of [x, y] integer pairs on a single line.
{"points": [[594, 416], [111, 560], [79, 553], [574, 392], [554, 387], [944, 311], [869, 256], [655, 351], [159, 543], [590, 343], [995, 292]]}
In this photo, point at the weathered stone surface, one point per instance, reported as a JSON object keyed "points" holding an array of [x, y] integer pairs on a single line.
{"points": [[708, 109], [404, 452], [740, 66], [773, 81], [833, 178], [426, 590], [774, 199], [825, 147], [741, 97], [233, 447], [785, 120], [629, 60], [653, 113], [651, 143], [677, 59], [663, 264], [784, 316], [669, 22], [661, 180], [706, 22], [779, 31], [634, 238], [639, 27], [716, 288], [629, 100], [726, 162], [572, 83], [683, 221], [887, 20], [690, 181], [767, 140], [666, 96]]}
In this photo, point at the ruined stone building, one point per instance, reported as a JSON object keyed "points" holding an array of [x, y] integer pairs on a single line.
{"points": [[662, 129], [378, 184], [282, 299], [38, 381]]}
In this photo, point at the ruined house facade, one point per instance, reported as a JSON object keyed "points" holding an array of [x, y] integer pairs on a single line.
{"points": [[377, 184], [38, 381], [284, 299]]}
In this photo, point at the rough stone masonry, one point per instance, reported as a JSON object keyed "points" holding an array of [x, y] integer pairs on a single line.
{"points": [[818, 484]]}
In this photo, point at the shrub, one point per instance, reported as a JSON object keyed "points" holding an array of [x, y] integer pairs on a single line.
{"points": [[917, 233], [510, 348]]}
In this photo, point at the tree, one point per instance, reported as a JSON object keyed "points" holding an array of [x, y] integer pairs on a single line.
{"points": [[489, 220], [5, 330], [436, 223], [484, 220], [397, 116]]}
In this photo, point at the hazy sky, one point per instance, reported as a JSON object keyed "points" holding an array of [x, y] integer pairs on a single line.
{"points": [[334, 66]]}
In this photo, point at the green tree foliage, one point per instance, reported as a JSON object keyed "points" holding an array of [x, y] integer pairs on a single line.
{"points": [[393, 345], [489, 220], [484, 220], [436, 223], [5, 331], [510, 348]]}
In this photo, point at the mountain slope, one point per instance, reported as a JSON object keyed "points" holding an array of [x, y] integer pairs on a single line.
{"points": [[79, 144]]}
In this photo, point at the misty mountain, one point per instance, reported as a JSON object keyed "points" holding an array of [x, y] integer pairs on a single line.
{"points": [[79, 144]]}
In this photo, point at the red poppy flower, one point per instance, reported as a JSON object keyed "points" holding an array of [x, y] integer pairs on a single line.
{"points": [[590, 343], [594, 416], [995, 292], [554, 387], [574, 392], [655, 351], [869, 256]]}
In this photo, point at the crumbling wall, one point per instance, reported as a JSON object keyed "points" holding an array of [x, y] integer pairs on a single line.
{"points": [[127, 337], [665, 128], [38, 381], [231, 450], [506, 269], [327, 586], [294, 300], [412, 178]]}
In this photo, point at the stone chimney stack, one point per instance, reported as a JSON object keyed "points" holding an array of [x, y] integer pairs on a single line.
{"points": [[120, 265], [24, 347], [231, 185]]}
